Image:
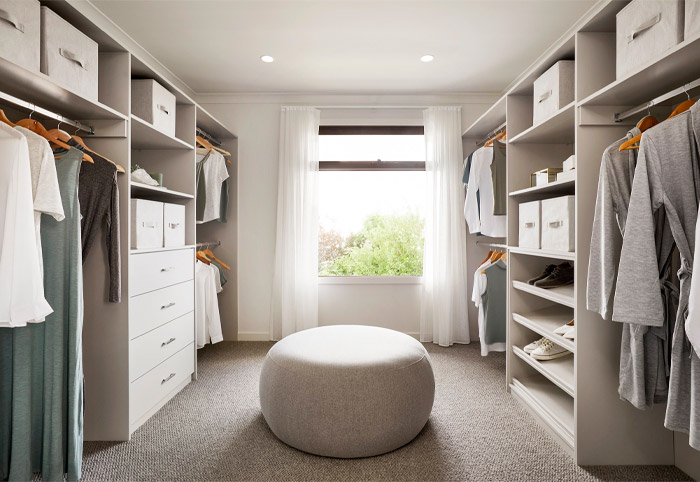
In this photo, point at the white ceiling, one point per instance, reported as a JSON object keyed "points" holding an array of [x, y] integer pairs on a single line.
{"points": [[345, 47]]}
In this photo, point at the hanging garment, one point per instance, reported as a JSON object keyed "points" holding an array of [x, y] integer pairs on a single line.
{"points": [[222, 277], [498, 179], [99, 200], [207, 305], [41, 375], [200, 183], [217, 278], [666, 180], [215, 173], [643, 360], [22, 297], [480, 218], [465, 181], [223, 210], [492, 308]]}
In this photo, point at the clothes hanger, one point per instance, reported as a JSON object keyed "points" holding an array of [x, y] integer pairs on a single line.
{"points": [[80, 141], [36, 127], [647, 122], [59, 134], [203, 258], [208, 252], [498, 137], [5, 120], [205, 144], [488, 257]]}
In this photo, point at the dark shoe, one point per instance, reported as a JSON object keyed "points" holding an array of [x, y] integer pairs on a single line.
{"points": [[562, 275], [547, 271]]}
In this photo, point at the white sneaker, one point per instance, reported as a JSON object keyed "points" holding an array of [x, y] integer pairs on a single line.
{"points": [[549, 350], [571, 334], [563, 329], [534, 345]]}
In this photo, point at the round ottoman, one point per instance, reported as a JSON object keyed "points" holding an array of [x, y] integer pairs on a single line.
{"points": [[347, 391]]}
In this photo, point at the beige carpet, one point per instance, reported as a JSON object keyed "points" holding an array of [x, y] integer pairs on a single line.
{"points": [[214, 430]]}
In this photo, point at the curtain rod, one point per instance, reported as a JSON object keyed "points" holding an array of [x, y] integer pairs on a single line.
{"points": [[46, 113], [669, 95]]}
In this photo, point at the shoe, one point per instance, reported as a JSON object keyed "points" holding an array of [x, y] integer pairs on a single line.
{"points": [[564, 328], [571, 334], [533, 346], [549, 350], [547, 271], [562, 275]]}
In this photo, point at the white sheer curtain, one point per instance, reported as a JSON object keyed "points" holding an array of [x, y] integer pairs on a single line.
{"points": [[295, 282], [444, 317]]}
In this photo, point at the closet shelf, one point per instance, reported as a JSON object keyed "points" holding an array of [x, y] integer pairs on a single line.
{"points": [[545, 321], [558, 129], [158, 250], [145, 136], [544, 253], [546, 401], [489, 120], [563, 295], [556, 188], [679, 66], [144, 191], [560, 370]]}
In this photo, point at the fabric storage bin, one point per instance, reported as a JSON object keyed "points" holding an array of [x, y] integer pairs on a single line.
{"points": [[558, 223], [569, 175], [146, 224], [692, 19], [553, 90], [173, 225], [68, 56], [154, 104], [20, 32], [569, 164], [645, 30], [530, 225]]}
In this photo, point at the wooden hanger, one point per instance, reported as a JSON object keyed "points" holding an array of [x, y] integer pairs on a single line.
{"points": [[36, 127], [498, 137], [205, 144], [488, 257], [80, 141], [4, 119], [680, 108], [59, 134], [210, 254], [644, 124], [202, 257]]}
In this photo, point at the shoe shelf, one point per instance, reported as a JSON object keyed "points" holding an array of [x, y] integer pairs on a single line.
{"points": [[564, 295], [544, 253], [560, 370], [545, 321], [558, 129]]}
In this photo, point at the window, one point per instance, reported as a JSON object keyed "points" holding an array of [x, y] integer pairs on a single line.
{"points": [[372, 189]]}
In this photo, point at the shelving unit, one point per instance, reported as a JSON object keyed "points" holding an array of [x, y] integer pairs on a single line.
{"points": [[553, 189], [544, 253], [559, 371], [563, 295], [555, 130], [144, 191], [145, 136], [545, 321]]}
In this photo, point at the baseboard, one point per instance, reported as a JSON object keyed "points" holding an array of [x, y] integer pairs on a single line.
{"points": [[253, 336]]}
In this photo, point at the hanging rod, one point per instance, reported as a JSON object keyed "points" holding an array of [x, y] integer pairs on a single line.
{"points": [[493, 245], [208, 244], [209, 137], [492, 133], [662, 98], [46, 113]]}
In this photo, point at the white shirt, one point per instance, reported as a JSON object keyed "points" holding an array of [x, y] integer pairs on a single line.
{"points": [[206, 306], [22, 294], [215, 173], [480, 179]]}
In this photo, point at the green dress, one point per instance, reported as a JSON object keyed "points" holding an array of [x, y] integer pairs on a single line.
{"points": [[41, 373]]}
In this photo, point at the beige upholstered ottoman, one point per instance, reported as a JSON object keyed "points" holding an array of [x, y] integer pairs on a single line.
{"points": [[347, 391]]}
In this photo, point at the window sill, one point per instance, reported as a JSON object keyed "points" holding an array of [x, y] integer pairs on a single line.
{"points": [[370, 280]]}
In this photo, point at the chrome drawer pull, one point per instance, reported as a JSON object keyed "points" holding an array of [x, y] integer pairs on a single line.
{"points": [[173, 225], [529, 225], [167, 306], [163, 270], [556, 224], [169, 377], [165, 343]]}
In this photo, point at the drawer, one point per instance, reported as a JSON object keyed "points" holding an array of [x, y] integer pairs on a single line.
{"points": [[155, 104], [173, 225], [19, 30], [530, 225], [558, 223], [155, 385], [153, 271], [151, 349], [155, 308]]}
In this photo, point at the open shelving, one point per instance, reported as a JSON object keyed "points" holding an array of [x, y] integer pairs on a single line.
{"points": [[544, 253], [144, 191], [563, 295], [546, 320], [552, 189], [145, 136], [559, 371], [558, 129]]}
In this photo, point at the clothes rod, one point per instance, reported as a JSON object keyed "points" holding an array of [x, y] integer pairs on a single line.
{"points": [[493, 245], [209, 244], [46, 113], [662, 98], [209, 137], [492, 133]]}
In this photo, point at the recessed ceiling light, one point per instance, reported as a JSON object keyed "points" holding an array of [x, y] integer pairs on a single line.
{"points": [[427, 58], [267, 59]]}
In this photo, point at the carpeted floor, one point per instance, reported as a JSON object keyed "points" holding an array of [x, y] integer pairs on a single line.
{"points": [[214, 430]]}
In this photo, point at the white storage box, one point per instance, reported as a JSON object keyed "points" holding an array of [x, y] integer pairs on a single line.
{"points": [[68, 56], [569, 164], [146, 224], [153, 103], [19, 29], [558, 223], [692, 19], [553, 90], [566, 175], [173, 225], [645, 30], [530, 225]]}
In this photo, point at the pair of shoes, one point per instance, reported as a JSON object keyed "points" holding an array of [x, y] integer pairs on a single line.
{"points": [[547, 271], [561, 275], [548, 350], [533, 346], [567, 331]]}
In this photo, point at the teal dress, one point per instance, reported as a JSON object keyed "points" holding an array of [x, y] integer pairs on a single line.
{"points": [[41, 373]]}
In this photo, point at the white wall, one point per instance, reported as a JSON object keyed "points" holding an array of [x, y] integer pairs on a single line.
{"points": [[255, 120]]}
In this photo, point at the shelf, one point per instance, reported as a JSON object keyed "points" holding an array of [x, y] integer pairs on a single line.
{"points": [[556, 188], [145, 136], [563, 295], [158, 250], [40, 89], [545, 321], [558, 129], [144, 191], [544, 253], [489, 120], [560, 370], [554, 407], [678, 66]]}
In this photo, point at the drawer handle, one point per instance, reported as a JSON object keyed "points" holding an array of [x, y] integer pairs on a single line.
{"points": [[163, 108], [9, 18], [530, 225], [166, 343], [168, 378], [173, 225], [148, 224], [544, 96], [167, 306], [556, 224], [645, 26], [72, 57], [169, 268]]}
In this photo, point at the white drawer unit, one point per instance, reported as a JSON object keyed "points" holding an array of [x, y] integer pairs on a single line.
{"points": [[156, 385], [146, 224], [155, 308], [19, 30], [149, 350], [68, 56], [153, 103], [558, 223], [530, 225], [645, 30], [153, 271], [553, 90], [173, 225]]}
